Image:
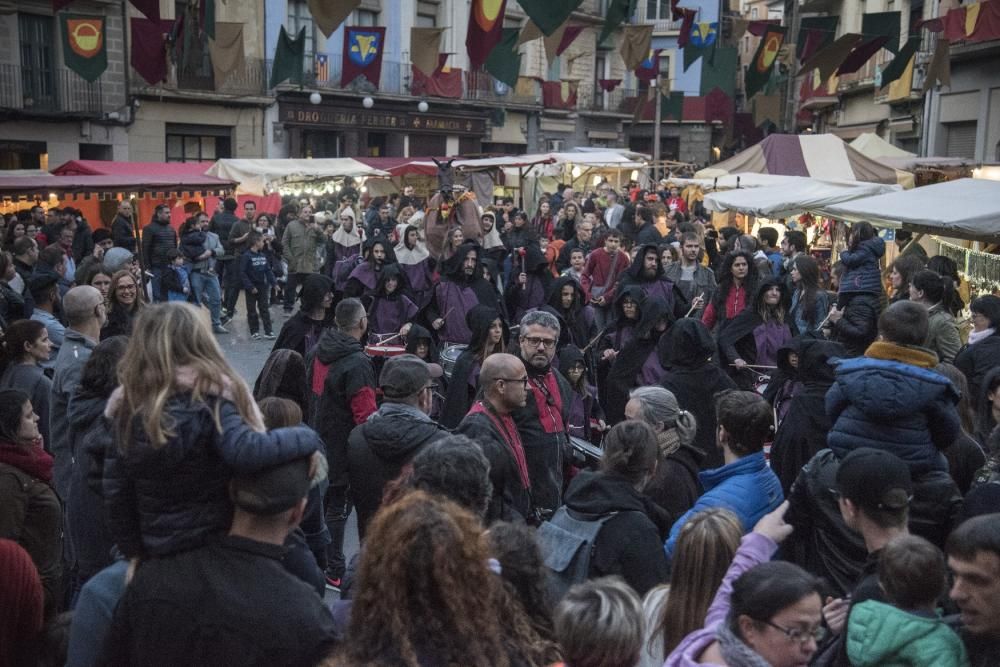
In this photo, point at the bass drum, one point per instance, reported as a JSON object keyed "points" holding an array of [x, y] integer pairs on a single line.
{"points": [[449, 357], [586, 454]]}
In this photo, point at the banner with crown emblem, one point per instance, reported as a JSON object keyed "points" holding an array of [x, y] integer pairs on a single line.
{"points": [[363, 49], [84, 46]]}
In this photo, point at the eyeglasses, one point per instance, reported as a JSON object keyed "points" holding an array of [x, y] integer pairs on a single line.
{"points": [[523, 381], [818, 634], [127, 288], [535, 341]]}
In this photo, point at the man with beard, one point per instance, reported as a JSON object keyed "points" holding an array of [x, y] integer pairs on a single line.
{"points": [[503, 384], [541, 423], [383, 225], [415, 261], [647, 272], [691, 278], [462, 287], [365, 276]]}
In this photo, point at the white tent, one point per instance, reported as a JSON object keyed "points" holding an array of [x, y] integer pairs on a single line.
{"points": [[793, 196], [255, 177], [965, 208], [876, 147]]}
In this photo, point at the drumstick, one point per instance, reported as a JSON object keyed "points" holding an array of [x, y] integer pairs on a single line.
{"points": [[688, 314], [386, 340], [595, 339], [755, 366]]}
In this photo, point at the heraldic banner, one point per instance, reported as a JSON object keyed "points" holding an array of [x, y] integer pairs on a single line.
{"points": [[363, 54], [84, 46]]}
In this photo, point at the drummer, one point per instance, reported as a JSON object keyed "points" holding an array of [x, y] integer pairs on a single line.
{"points": [[391, 311], [754, 337], [489, 336]]}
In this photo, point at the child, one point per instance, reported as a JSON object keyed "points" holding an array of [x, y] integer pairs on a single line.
{"points": [[258, 279], [176, 282], [906, 630], [861, 261], [577, 260], [584, 406]]}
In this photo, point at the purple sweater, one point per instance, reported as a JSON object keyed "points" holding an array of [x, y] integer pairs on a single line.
{"points": [[754, 550]]}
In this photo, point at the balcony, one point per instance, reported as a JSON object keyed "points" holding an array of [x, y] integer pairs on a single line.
{"points": [[864, 78], [249, 80], [590, 98], [661, 21], [58, 92], [395, 76]]}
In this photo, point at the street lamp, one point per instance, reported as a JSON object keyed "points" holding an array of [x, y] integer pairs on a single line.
{"points": [[368, 102], [422, 106], [315, 98]]}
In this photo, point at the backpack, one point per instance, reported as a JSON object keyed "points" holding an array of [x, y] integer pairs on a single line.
{"points": [[567, 546]]}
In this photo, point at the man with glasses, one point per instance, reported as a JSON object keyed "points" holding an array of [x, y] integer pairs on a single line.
{"points": [[379, 449], [503, 384], [541, 423]]}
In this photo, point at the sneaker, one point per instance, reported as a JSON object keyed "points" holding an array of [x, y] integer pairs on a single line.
{"points": [[226, 319], [269, 336], [220, 330], [333, 583], [255, 336]]}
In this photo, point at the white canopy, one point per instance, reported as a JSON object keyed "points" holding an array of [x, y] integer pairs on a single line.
{"points": [[965, 208], [256, 176], [876, 147], [795, 195]]}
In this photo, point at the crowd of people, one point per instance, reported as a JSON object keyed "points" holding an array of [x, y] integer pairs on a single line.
{"points": [[604, 434]]}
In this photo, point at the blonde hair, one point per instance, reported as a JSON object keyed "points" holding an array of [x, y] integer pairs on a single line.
{"points": [[169, 340]]}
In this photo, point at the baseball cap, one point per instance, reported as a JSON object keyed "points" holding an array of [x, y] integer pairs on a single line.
{"points": [[874, 480], [406, 375], [272, 490]]}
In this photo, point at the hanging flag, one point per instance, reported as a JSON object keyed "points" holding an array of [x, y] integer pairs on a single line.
{"points": [[227, 50], [881, 24], [485, 30], [445, 82], [954, 24], [738, 28], [704, 35], [815, 34], [902, 88], [861, 54], [504, 62], [607, 85], [362, 54], [619, 11], [150, 8], [895, 69], [549, 14], [328, 14], [971, 16], [84, 47], [939, 71], [425, 48], [648, 68], [288, 55], [766, 108], [321, 67], [148, 43], [206, 17], [829, 59], [989, 23], [718, 106], [559, 94], [759, 70], [551, 43], [569, 36], [636, 40], [722, 73], [684, 36], [759, 28], [672, 106]]}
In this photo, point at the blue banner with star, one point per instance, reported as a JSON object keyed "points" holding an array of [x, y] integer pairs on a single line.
{"points": [[363, 47]]}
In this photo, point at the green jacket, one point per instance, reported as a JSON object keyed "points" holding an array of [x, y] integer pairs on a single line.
{"points": [[880, 634], [300, 244], [942, 333]]}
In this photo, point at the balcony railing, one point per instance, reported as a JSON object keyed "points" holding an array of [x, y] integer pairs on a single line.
{"points": [[395, 76], [52, 92], [591, 98], [865, 76], [250, 79], [662, 22]]}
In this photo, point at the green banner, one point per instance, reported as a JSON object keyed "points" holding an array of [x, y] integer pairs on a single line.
{"points": [[548, 15], [619, 12], [504, 62], [288, 58], [85, 48], [721, 72]]}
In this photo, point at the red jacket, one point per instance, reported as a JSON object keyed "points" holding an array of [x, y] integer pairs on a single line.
{"points": [[598, 271], [735, 302]]}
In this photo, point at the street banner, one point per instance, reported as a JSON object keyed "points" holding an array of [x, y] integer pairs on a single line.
{"points": [[762, 64], [425, 47], [636, 40], [227, 50], [148, 45], [288, 56], [328, 14], [363, 48], [618, 12], [84, 46], [504, 62], [548, 15], [485, 30]]}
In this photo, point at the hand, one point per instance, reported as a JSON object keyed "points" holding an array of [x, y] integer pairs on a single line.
{"points": [[438, 323], [740, 364], [405, 329], [254, 290], [835, 314], [835, 613], [697, 302], [522, 279], [609, 355], [598, 301], [601, 425], [98, 253], [773, 525]]}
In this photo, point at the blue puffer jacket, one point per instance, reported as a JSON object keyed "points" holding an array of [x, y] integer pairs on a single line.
{"points": [[897, 407], [746, 487], [863, 273], [171, 498]]}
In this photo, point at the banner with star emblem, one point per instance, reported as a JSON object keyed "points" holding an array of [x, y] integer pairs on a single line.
{"points": [[362, 54], [84, 46], [762, 64]]}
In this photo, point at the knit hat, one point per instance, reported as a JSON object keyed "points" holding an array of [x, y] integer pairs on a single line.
{"points": [[874, 480], [116, 259], [406, 375]]}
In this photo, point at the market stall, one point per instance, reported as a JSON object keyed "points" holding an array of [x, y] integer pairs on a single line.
{"points": [[792, 196], [265, 176]]}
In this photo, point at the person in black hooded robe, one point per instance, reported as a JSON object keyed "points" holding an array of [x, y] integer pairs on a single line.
{"points": [[803, 431], [302, 330], [420, 341], [283, 376], [578, 316], [754, 337], [489, 336], [694, 378], [646, 271], [529, 281], [461, 288], [639, 362], [391, 310], [364, 277], [584, 407]]}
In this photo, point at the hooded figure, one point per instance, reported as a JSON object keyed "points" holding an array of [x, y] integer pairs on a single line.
{"points": [[584, 406], [695, 379], [492, 242], [653, 281], [524, 297], [622, 329], [344, 242], [415, 261], [755, 335], [301, 332], [390, 307], [784, 383], [639, 362], [578, 315], [464, 383], [283, 376], [365, 276], [803, 431], [461, 289]]}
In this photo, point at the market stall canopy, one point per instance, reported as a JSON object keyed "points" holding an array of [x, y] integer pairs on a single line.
{"points": [[158, 170], [29, 187], [257, 176], [876, 147], [822, 156], [426, 167], [966, 208], [794, 196]]}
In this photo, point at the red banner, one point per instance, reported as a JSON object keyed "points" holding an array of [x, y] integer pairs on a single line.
{"points": [[485, 30], [363, 48], [441, 84], [559, 94]]}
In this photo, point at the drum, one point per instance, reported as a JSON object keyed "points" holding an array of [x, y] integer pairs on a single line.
{"points": [[384, 351], [584, 449], [449, 357]]}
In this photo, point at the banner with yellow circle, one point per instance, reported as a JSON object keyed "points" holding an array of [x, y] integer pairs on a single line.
{"points": [[84, 47]]}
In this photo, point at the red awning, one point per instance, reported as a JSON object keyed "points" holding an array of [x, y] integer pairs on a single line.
{"points": [[153, 169], [25, 186]]}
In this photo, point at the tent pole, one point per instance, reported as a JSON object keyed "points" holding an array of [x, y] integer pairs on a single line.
{"points": [[520, 188]]}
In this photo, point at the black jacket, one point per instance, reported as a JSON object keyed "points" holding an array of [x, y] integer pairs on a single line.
{"points": [[336, 371], [460, 392], [510, 501], [858, 328], [157, 240], [300, 333], [648, 234], [629, 544], [222, 225], [976, 360], [630, 360], [675, 487], [123, 234], [378, 450]]}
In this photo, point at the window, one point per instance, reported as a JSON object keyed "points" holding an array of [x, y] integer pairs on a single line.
{"points": [[365, 17], [298, 18], [96, 152], [960, 139], [38, 77], [753, 13], [193, 143], [427, 13], [555, 69]]}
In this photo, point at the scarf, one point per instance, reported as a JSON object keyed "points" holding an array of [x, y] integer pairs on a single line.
{"points": [[735, 652], [976, 336], [905, 354], [548, 400], [347, 239], [505, 426], [409, 257], [32, 460]]}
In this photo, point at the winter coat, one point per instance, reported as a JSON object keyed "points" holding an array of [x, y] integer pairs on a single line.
{"points": [[300, 243], [463, 384], [695, 380], [675, 486], [299, 333], [69, 366], [222, 225], [746, 487], [378, 450], [858, 328], [703, 283], [158, 238], [628, 544], [880, 634], [123, 234], [801, 319], [162, 500], [511, 500], [978, 359], [898, 407], [862, 272], [942, 333]]}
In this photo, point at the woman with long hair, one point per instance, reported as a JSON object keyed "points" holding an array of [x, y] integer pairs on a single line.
{"points": [[523, 572], [901, 272], [983, 351], [184, 423], [30, 510], [569, 215], [705, 549], [737, 283], [12, 305], [96, 276], [543, 224], [935, 293], [125, 305], [453, 241], [15, 230], [946, 267], [754, 337], [489, 336], [425, 594], [810, 302], [26, 347]]}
